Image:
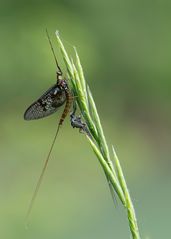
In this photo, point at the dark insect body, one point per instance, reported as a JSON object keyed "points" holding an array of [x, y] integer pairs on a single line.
{"points": [[52, 99], [46, 105]]}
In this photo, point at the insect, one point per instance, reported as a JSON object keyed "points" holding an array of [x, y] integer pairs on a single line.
{"points": [[46, 105], [56, 96]]}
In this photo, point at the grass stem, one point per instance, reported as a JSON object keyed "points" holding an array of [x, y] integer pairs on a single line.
{"points": [[85, 101]]}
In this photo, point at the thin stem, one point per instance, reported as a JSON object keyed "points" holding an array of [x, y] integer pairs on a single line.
{"points": [[98, 141], [129, 205]]}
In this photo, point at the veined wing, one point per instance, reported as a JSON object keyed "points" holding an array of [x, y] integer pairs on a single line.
{"points": [[47, 104]]}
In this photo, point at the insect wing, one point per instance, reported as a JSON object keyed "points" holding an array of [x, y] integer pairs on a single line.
{"points": [[47, 104]]}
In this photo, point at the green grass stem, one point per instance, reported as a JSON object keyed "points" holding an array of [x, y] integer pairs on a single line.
{"points": [[87, 106]]}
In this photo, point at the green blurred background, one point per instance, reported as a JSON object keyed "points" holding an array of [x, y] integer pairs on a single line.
{"points": [[125, 49]]}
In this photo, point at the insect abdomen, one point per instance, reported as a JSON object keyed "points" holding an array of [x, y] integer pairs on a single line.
{"points": [[69, 99]]}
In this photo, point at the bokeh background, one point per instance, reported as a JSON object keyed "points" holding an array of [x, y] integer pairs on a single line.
{"points": [[125, 48]]}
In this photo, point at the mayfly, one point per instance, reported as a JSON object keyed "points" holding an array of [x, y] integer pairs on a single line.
{"points": [[48, 104]]}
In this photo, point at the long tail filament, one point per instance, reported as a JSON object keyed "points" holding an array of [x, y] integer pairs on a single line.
{"points": [[64, 114], [41, 176]]}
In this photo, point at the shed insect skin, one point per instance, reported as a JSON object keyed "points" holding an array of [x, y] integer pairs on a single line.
{"points": [[76, 122]]}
